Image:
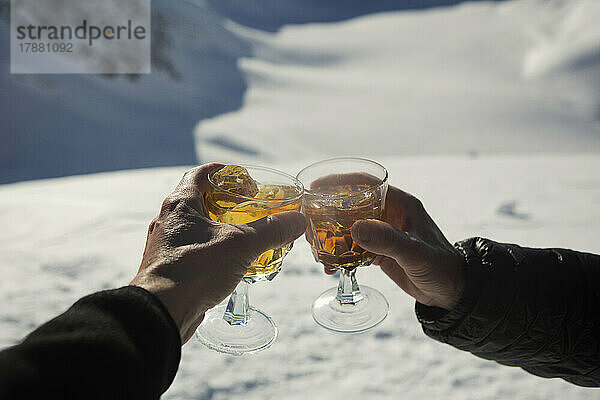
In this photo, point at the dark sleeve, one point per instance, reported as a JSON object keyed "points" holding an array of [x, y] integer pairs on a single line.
{"points": [[115, 344], [538, 309]]}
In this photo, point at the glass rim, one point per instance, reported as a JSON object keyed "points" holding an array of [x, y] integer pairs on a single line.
{"points": [[371, 187], [296, 182]]}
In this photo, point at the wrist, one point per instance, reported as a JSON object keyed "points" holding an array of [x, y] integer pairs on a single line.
{"points": [[161, 288], [450, 301], [475, 274], [455, 286]]}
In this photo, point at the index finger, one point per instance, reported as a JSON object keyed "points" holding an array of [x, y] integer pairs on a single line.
{"points": [[190, 189], [329, 271], [402, 209], [197, 177], [399, 196]]}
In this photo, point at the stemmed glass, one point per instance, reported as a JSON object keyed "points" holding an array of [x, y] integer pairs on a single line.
{"points": [[237, 328], [339, 192]]}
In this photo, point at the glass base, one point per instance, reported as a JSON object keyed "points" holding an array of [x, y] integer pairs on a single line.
{"points": [[257, 334], [328, 312]]}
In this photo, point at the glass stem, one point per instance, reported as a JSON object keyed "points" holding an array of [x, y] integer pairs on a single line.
{"points": [[348, 289], [237, 312]]}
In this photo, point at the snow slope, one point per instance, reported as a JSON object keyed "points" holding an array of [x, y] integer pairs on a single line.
{"points": [[292, 78], [57, 125], [64, 238], [479, 77]]}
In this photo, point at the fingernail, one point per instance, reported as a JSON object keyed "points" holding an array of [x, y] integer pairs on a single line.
{"points": [[364, 231]]}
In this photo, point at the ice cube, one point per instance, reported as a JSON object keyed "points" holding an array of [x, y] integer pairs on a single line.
{"points": [[245, 212], [271, 192], [235, 179]]}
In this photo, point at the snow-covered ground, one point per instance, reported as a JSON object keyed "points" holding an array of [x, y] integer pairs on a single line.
{"points": [[488, 111], [64, 238]]}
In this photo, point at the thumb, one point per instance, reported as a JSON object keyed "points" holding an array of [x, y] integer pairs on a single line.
{"points": [[277, 230], [382, 238]]}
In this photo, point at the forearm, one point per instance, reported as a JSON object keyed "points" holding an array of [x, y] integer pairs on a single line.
{"points": [[113, 344], [532, 308]]}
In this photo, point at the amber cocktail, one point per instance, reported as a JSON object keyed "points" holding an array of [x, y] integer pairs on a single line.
{"points": [[339, 192], [331, 210], [236, 197], [239, 195]]}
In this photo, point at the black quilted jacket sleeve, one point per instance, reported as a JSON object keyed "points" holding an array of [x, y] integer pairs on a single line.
{"points": [[538, 309], [116, 344]]}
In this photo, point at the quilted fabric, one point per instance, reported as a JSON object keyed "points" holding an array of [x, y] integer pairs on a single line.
{"points": [[538, 309]]}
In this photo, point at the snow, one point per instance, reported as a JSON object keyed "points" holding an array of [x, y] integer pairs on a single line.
{"points": [[487, 111], [291, 78], [100, 123], [64, 238], [479, 77]]}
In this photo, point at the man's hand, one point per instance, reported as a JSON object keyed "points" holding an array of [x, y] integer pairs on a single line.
{"points": [[192, 263], [413, 252]]}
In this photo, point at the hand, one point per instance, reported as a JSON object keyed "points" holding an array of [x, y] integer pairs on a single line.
{"points": [[413, 252], [192, 263]]}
